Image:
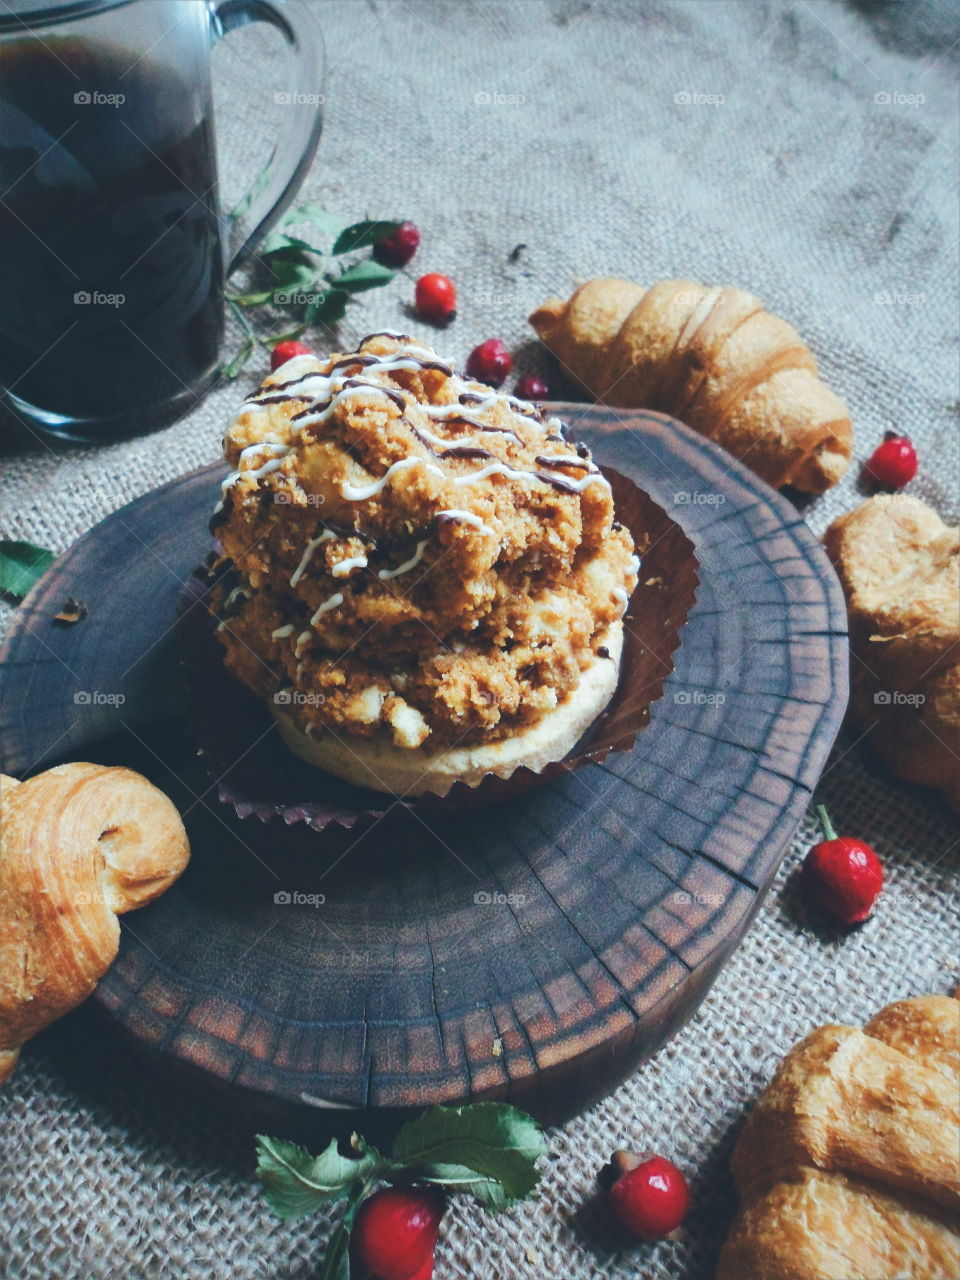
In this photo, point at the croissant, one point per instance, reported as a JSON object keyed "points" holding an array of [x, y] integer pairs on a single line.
{"points": [[848, 1168], [712, 357], [899, 566], [78, 845]]}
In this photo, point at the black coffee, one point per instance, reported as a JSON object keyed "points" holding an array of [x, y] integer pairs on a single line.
{"points": [[111, 269]]}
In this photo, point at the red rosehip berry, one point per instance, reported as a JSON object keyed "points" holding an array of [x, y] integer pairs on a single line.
{"points": [[436, 298], [395, 1232], [842, 876], [396, 249], [285, 351], [652, 1199], [490, 362], [894, 462], [530, 387]]}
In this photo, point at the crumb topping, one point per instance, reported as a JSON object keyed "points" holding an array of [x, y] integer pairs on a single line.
{"points": [[410, 551]]}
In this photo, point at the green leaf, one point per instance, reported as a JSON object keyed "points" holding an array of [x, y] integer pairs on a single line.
{"points": [[21, 565], [362, 234], [364, 275], [336, 1261], [488, 1150], [286, 336], [250, 299], [289, 273], [330, 310], [278, 242], [328, 224], [295, 1182], [231, 370]]}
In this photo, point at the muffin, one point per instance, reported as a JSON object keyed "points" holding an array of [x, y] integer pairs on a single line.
{"points": [[423, 579]]}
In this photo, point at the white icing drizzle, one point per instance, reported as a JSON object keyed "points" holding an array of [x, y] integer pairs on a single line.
{"points": [[407, 565], [281, 633], [332, 603], [621, 595], [323, 415], [273, 465], [569, 460], [238, 593], [341, 569], [355, 493], [468, 518], [633, 564], [312, 545], [264, 446], [303, 639]]}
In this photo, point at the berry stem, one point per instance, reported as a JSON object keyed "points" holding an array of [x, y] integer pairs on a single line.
{"points": [[826, 826]]}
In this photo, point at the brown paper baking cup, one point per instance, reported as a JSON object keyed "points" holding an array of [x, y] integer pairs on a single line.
{"points": [[258, 776]]}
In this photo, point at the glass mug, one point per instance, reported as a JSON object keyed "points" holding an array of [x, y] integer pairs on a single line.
{"points": [[113, 249]]}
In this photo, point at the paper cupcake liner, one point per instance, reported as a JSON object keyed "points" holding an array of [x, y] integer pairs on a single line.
{"points": [[269, 782]]}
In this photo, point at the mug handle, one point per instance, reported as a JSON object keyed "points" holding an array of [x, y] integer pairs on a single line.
{"points": [[293, 153]]}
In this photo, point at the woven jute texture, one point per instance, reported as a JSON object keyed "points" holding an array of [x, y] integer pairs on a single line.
{"points": [[806, 151]]}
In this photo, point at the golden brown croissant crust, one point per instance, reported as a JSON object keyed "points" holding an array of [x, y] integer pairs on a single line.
{"points": [[80, 844], [899, 565], [848, 1167], [715, 359]]}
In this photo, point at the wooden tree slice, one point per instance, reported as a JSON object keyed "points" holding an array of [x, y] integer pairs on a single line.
{"points": [[534, 951]]}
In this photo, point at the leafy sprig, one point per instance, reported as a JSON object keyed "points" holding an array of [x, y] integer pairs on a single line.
{"points": [[487, 1149], [298, 273], [21, 565]]}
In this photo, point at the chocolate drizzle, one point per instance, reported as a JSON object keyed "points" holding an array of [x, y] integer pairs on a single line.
{"points": [[465, 451]]}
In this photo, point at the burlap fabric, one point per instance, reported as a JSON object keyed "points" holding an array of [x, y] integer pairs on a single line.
{"points": [[805, 151]]}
